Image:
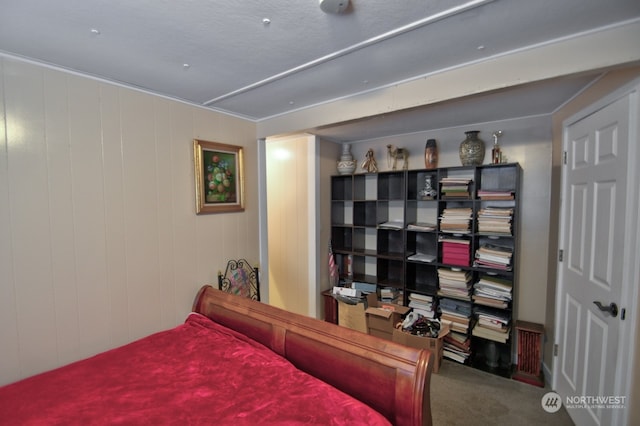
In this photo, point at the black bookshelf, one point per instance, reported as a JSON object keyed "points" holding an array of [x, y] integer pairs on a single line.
{"points": [[370, 214]]}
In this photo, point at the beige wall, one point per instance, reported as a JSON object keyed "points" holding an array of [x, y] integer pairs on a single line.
{"points": [[298, 203], [97, 215], [288, 212], [597, 91]]}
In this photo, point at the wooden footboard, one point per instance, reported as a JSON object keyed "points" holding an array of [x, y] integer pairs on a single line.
{"points": [[391, 378]]}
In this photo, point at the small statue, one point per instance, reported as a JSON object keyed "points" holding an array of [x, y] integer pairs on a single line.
{"points": [[496, 152], [392, 157], [428, 193], [369, 164]]}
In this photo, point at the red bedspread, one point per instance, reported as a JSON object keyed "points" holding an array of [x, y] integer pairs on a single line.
{"points": [[197, 373]]}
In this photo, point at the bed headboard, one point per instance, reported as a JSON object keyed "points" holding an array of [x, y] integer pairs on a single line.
{"points": [[391, 378]]}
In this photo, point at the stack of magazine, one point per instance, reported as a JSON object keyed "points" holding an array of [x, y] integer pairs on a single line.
{"points": [[495, 220], [456, 220], [456, 313], [455, 188], [492, 324], [421, 226], [492, 291], [457, 347], [422, 257], [423, 305], [454, 283], [493, 256]]}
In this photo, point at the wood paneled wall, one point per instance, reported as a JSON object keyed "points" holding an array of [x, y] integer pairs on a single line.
{"points": [[97, 215]]}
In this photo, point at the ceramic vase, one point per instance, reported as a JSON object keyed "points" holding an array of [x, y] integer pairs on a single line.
{"points": [[346, 165], [431, 154], [472, 149]]}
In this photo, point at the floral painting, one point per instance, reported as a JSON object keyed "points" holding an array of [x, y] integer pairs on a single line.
{"points": [[219, 177]]}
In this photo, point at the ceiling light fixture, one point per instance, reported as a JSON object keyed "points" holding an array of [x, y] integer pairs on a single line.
{"points": [[334, 6]]}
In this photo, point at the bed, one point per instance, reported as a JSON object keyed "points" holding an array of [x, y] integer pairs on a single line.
{"points": [[233, 361]]}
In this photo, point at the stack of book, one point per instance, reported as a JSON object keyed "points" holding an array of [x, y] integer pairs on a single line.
{"points": [[457, 347], [455, 283], [390, 295], [455, 188], [456, 251], [492, 291], [456, 313], [493, 256], [495, 195], [495, 220], [492, 324], [456, 220], [423, 305]]}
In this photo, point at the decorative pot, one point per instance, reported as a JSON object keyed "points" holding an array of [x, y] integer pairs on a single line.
{"points": [[346, 165], [472, 149], [431, 154]]}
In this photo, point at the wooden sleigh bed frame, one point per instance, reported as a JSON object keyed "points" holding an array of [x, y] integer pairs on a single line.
{"points": [[391, 378]]}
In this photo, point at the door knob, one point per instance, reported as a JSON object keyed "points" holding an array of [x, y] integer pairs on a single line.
{"points": [[612, 308]]}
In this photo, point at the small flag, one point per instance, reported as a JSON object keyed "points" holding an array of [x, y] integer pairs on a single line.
{"points": [[333, 268]]}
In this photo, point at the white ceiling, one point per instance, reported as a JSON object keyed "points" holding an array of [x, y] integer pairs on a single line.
{"points": [[222, 55]]}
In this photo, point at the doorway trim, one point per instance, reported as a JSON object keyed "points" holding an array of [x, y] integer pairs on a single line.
{"points": [[263, 235]]}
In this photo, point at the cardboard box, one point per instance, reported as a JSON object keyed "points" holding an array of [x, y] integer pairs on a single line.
{"points": [[435, 345], [353, 316], [382, 318]]}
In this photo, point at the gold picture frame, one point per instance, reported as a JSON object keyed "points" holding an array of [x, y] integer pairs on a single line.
{"points": [[219, 177]]}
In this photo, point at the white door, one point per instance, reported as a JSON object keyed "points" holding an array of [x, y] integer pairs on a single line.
{"points": [[593, 228]]}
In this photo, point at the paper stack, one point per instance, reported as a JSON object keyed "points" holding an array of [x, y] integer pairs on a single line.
{"points": [[492, 324], [421, 257], [423, 305], [456, 313], [390, 295], [421, 226], [456, 220], [492, 291], [495, 195], [454, 283], [493, 256], [455, 188], [457, 347], [495, 221]]}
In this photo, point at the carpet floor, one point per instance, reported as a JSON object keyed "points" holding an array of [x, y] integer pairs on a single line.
{"points": [[462, 396]]}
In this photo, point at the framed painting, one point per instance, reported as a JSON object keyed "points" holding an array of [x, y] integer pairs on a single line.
{"points": [[219, 177]]}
